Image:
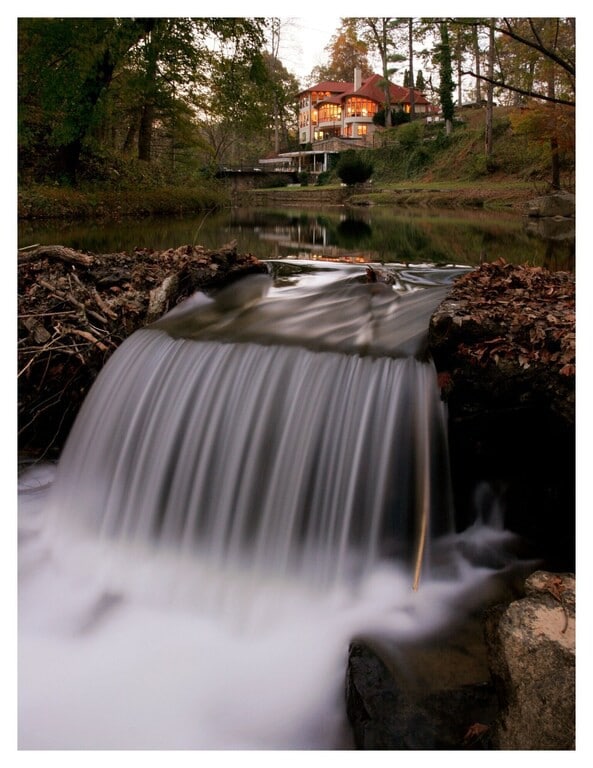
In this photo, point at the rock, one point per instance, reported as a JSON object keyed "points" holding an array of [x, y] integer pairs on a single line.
{"points": [[531, 650], [557, 204], [387, 711]]}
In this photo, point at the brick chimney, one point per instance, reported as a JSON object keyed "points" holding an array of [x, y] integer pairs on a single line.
{"points": [[357, 78]]}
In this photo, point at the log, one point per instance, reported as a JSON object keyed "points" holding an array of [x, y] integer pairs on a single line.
{"points": [[70, 256]]}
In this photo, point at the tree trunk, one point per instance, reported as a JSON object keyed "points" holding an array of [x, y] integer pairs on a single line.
{"points": [[477, 62], [132, 133], [145, 133], [489, 108], [411, 75]]}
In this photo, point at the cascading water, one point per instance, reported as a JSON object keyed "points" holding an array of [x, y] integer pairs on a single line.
{"points": [[251, 482]]}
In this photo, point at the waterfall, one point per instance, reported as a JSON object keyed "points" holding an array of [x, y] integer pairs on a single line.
{"points": [[254, 478]]}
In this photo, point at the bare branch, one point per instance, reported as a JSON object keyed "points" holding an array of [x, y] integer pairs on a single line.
{"points": [[523, 91], [568, 66]]}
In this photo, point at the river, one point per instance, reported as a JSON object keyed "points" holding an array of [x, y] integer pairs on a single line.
{"points": [[377, 234]]}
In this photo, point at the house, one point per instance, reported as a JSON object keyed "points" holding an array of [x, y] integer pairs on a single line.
{"points": [[335, 116], [346, 110]]}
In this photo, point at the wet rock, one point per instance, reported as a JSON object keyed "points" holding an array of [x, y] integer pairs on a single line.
{"points": [[386, 712], [531, 647]]}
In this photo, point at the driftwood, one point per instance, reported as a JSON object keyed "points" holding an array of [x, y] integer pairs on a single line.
{"points": [[59, 252], [75, 309]]}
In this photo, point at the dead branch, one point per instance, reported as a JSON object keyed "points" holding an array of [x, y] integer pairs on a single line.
{"points": [[59, 252]]}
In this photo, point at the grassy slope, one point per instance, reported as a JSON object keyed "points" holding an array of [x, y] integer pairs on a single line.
{"points": [[449, 171]]}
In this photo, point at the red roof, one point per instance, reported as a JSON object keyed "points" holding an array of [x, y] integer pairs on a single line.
{"points": [[331, 86], [371, 88]]}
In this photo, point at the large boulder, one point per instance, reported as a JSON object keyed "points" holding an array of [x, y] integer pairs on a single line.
{"points": [[390, 706], [556, 204], [531, 649]]}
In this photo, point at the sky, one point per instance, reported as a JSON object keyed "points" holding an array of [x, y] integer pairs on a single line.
{"points": [[303, 41]]}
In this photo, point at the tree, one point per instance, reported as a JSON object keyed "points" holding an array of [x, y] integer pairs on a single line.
{"points": [[65, 68], [446, 85], [420, 84], [523, 48], [346, 51], [94, 84], [411, 59], [490, 99], [381, 36]]}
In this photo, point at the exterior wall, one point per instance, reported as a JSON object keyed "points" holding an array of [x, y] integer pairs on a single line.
{"points": [[353, 119]]}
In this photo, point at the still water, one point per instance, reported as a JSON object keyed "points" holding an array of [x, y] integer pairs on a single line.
{"points": [[380, 234]]}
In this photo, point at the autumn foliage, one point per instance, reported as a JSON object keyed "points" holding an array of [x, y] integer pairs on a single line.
{"points": [[530, 310], [505, 335]]}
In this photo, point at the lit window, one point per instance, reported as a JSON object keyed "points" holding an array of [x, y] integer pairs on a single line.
{"points": [[359, 107]]}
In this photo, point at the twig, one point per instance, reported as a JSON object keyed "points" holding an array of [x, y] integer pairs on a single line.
{"points": [[88, 336], [103, 306], [71, 300]]}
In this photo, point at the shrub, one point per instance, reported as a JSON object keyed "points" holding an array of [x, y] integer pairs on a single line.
{"points": [[323, 178], [481, 165], [410, 134], [277, 181], [353, 169]]}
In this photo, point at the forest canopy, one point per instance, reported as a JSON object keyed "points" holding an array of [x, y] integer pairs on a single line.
{"points": [[172, 99]]}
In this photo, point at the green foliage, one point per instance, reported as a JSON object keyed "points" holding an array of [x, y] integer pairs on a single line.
{"points": [[398, 117], [91, 85], [323, 178], [446, 84], [304, 179], [353, 168], [481, 165], [410, 135]]}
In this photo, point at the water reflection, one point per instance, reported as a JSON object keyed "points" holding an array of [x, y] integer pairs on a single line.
{"points": [[380, 234]]}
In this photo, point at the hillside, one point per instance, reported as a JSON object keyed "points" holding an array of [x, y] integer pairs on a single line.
{"points": [[521, 148]]}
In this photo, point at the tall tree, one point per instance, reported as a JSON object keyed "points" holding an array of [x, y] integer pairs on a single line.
{"points": [[346, 51], [490, 97], [65, 68], [523, 48], [381, 34], [411, 59], [446, 85]]}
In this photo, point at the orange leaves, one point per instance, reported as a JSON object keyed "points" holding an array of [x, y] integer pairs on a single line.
{"points": [[475, 733]]}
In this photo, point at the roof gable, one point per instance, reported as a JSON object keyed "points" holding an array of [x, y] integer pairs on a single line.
{"points": [[371, 88], [329, 85]]}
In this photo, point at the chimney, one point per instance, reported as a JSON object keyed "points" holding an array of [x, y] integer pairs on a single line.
{"points": [[357, 78]]}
